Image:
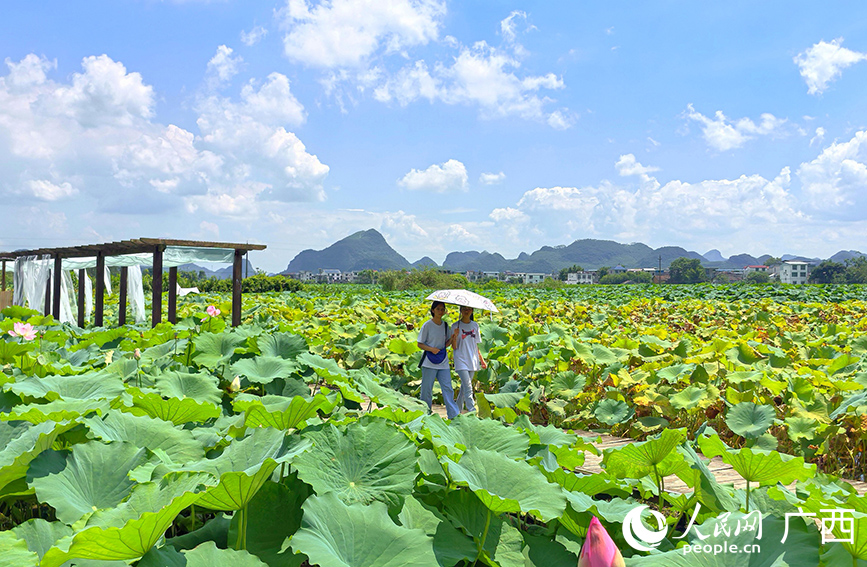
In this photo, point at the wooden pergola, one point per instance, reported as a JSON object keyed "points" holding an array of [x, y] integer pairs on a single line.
{"points": [[155, 246]]}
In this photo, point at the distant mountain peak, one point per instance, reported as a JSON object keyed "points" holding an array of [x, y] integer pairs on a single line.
{"points": [[362, 250]]}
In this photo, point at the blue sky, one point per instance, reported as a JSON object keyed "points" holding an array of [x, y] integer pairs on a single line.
{"points": [[499, 126]]}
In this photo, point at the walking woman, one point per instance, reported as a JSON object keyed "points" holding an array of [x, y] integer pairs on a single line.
{"points": [[468, 359], [433, 338]]}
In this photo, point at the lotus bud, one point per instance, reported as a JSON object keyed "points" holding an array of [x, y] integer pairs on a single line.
{"points": [[136, 354], [599, 549], [108, 357], [236, 384]]}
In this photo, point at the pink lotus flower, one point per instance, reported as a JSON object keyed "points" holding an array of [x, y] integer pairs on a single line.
{"points": [[23, 330], [212, 311], [136, 354], [599, 549]]}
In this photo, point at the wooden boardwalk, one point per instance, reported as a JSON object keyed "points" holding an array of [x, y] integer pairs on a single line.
{"points": [[723, 473]]}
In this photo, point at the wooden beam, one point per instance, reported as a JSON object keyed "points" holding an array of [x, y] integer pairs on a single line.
{"points": [[99, 278], [81, 297], [58, 275], [4, 276], [121, 303], [236, 288], [173, 295], [157, 287]]}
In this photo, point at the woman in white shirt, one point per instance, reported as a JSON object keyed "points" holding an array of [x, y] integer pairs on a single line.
{"points": [[468, 359], [433, 338]]}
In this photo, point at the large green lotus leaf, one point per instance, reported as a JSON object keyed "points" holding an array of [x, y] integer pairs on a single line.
{"points": [[613, 412], [505, 485], [637, 460], [801, 427], [90, 386], [587, 484], [368, 462], [92, 476], [245, 465], [153, 434], [273, 515], [58, 410], [216, 529], [214, 349], [284, 345], [467, 431], [209, 555], [545, 552], [691, 397], [264, 369], [202, 386], [20, 443], [707, 490], [166, 556], [9, 350], [750, 420], [293, 414], [340, 535], [381, 395], [567, 385], [756, 465], [14, 552], [450, 545], [466, 512], [131, 529], [178, 411], [164, 350], [41, 535], [550, 435], [324, 367], [801, 548]]}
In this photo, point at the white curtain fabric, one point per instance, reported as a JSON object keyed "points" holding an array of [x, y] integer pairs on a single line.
{"points": [[88, 296], [18, 282], [135, 291], [35, 273], [173, 256], [107, 279], [66, 305]]}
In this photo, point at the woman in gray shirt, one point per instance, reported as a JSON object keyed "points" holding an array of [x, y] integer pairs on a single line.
{"points": [[433, 339]]}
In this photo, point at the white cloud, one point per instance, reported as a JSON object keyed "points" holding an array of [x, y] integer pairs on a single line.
{"points": [[508, 214], [345, 33], [722, 134], [274, 102], [820, 135], [253, 36], [96, 134], [627, 165], [48, 191], [824, 62], [491, 178], [507, 26], [480, 75], [835, 181], [456, 233], [446, 178], [222, 66]]}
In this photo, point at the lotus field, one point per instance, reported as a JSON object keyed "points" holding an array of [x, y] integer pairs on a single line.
{"points": [[298, 438]]}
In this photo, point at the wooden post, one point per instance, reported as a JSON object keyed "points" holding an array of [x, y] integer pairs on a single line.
{"points": [[81, 297], [99, 278], [236, 288], [4, 276], [157, 288], [173, 295], [58, 274], [47, 309], [121, 302]]}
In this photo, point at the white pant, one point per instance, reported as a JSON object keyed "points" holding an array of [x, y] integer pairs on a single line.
{"points": [[465, 398]]}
